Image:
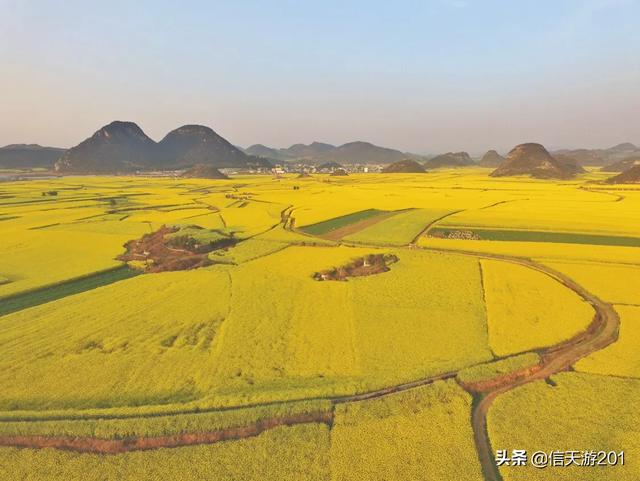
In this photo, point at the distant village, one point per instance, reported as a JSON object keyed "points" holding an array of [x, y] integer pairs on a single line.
{"points": [[306, 168]]}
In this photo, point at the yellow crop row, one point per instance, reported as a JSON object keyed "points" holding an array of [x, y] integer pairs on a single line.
{"points": [[297, 452], [581, 412], [117, 345], [547, 251], [621, 358], [529, 310], [615, 283], [256, 327], [34, 258], [236, 337], [422, 434]]}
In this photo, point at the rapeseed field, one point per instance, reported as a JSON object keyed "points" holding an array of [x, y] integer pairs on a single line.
{"points": [[257, 334], [413, 435], [296, 452], [528, 310], [577, 412], [623, 357]]}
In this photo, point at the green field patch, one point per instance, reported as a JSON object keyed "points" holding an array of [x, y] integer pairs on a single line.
{"points": [[188, 234], [324, 227], [534, 236], [400, 229], [63, 289]]}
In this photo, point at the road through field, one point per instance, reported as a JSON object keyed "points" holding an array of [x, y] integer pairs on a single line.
{"points": [[602, 331], [144, 443]]}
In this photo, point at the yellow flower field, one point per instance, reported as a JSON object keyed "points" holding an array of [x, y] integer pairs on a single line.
{"points": [[298, 452], [528, 310], [418, 435], [256, 334], [581, 412], [623, 357], [616, 283]]}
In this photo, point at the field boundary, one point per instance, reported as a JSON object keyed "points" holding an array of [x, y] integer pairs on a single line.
{"points": [[602, 331], [52, 292], [117, 446], [523, 235]]}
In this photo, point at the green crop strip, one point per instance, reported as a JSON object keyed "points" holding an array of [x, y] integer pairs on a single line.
{"points": [[327, 226], [542, 236], [51, 293]]}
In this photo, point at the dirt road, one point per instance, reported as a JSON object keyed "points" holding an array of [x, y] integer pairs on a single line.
{"points": [[602, 331]]}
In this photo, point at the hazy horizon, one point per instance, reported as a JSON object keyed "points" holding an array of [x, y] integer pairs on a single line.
{"points": [[424, 77]]}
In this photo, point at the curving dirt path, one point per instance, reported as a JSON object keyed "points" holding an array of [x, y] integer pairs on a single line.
{"points": [[123, 445], [602, 331], [426, 228], [85, 444]]}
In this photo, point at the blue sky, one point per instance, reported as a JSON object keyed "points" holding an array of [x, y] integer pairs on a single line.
{"points": [[424, 76]]}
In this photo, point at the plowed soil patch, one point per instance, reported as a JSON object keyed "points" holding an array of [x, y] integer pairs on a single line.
{"points": [[156, 251]]}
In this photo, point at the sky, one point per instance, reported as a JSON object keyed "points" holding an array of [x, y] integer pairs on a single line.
{"points": [[423, 76]]}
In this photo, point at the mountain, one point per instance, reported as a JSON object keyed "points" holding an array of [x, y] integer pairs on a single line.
{"points": [[117, 147], [260, 150], [314, 150], [624, 148], [201, 171], [534, 160], [630, 176], [329, 166], [28, 156], [318, 152], [404, 166], [491, 159], [124, 147], [450, 159], [569, 164], [363, 153], [190, 145], [622, 165], [590, 157], [599, 157]]}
